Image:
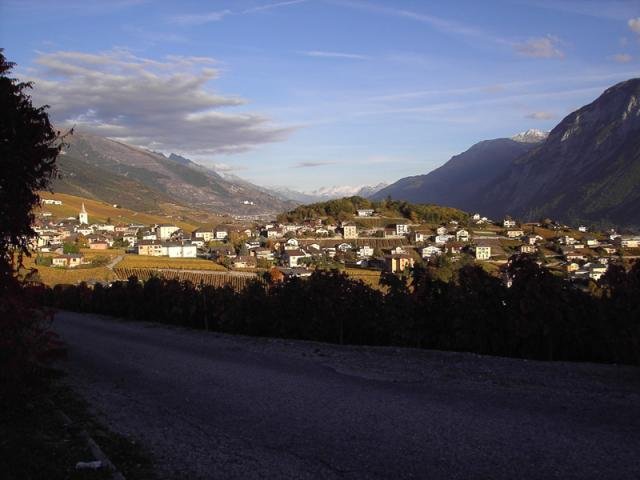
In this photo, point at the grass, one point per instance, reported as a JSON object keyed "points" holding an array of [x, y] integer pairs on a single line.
{"points": [[36, 444], [55, 275], [143, 261], [370, 277]]}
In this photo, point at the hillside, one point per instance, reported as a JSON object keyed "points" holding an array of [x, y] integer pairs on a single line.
{"points": [[588, 170], [459, 182], [346, 208], [113, 172], [100, 211]]}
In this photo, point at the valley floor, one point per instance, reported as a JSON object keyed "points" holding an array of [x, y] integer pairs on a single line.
{"points": [[218, 406]]}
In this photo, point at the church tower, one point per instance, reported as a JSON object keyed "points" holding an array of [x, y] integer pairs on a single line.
{"points": [[84, 216]]}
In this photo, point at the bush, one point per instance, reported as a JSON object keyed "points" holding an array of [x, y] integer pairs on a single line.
{"points": [[540, 316]]}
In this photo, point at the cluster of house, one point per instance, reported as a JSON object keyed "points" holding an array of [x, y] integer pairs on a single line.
{"points": [[294, 245]]}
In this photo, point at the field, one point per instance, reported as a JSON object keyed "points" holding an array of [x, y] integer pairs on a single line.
{"points": [[54, 276], [143, 261], [101, 211], [370, 277], [215, 279]]}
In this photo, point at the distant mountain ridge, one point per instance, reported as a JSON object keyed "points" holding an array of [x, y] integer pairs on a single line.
{"points": [[586, 170], [328, 193], [459, 182], [103, 169]]}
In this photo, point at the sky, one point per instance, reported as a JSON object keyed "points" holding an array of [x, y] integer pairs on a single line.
{"points": [[318, 93]]}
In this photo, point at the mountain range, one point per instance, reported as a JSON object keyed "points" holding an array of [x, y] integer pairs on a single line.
{"points": [[103, 169], [323, 194], [586, 170]]}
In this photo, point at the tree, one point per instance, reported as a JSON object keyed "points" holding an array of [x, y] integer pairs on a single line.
{"points": [[29, 147]]}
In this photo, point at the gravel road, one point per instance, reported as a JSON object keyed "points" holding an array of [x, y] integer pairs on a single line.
{"points": [[229, 407]]}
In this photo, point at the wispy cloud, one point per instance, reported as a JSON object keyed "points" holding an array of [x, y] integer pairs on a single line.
{"points": [[164, 105], [227, 168], [271, 6], [215, 16], [541, 115], [199, 18], [541, 47], [622, 58], [634, 25], [438, 23], [325, 54], [610, 9], [312, 164]]}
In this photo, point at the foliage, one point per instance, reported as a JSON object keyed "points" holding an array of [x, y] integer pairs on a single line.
{"points": [[345, 209], [539, 317], [28, 149], [71, 248]]}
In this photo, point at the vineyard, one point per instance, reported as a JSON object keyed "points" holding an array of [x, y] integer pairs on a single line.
{"points": [[214, 279], [148, 262]]}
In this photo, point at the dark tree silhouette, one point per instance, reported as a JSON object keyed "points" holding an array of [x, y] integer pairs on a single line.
{"points": [[28, 149]]}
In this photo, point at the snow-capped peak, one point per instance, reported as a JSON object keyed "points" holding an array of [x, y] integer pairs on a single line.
{"points": [[533, 135]]}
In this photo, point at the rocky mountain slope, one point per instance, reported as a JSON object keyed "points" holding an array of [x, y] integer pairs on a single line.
{"points": [[103, 169], [588, 169]]}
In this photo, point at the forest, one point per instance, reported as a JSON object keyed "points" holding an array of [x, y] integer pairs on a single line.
{"points": [[540, 316]]}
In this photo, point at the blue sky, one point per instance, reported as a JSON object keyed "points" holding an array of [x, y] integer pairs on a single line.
{"points": [[312, 93]]}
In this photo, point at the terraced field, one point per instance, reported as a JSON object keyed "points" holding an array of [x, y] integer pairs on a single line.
{"points": [[143, 261], [213, 278]]}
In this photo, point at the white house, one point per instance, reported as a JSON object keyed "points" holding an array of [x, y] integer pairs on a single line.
{"points": [[204, 235], [105, 227], [514, 233], [402, 229], [508, 223], [344, 247], [165, 230], [442, 239], [349, 230], [441, 230], [483, 252], [70, 260], [221, 233], [629, 242], [292, 257], [430, 250], [263, 253], [182, 250], [365, 212], [365, 251], [462, 235], [417, 237]]}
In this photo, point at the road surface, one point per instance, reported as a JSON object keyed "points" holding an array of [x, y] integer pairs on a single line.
{"points": [[217, 406]]}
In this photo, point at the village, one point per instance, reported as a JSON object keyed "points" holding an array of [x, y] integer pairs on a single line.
{"points": [[365, 244]]}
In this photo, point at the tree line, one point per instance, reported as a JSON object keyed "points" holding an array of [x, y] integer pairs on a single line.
{"points": [[345, 208], [540, 316]]}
